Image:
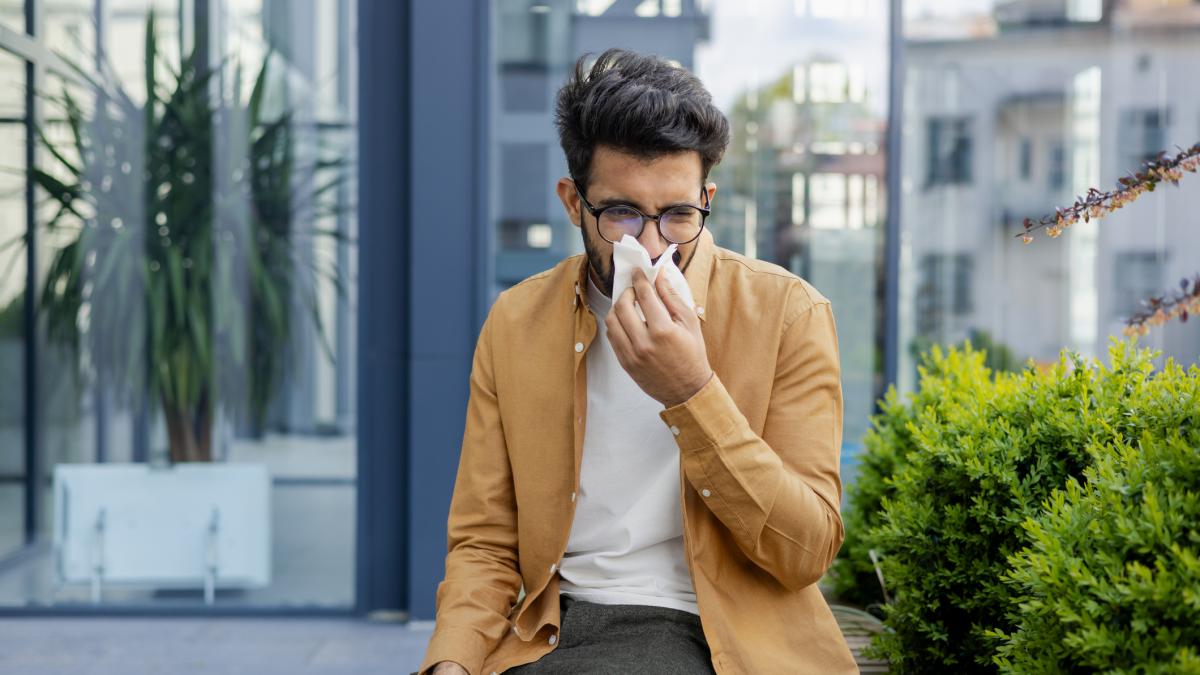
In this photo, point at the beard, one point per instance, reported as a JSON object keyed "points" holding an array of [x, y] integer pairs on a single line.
{"points": [[604, 270], [598, 268]]}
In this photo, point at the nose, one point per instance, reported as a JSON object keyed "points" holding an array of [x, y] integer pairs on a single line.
{"points": [[652, 240]]}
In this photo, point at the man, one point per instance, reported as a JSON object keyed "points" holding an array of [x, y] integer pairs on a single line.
{"points": [[664, 489]]}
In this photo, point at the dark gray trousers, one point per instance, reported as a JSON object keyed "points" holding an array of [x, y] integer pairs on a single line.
{"points": [[597, 639]]}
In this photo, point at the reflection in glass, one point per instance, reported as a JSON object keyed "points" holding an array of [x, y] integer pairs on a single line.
{"points": [[802, 183], [12, 90], [195, 247], [12, 15], [70, 26], [12, 323]]}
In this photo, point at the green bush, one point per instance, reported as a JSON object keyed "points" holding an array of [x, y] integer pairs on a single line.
{"points": [[944, 377], [984, 463], [997, 355], [1111, 580]]}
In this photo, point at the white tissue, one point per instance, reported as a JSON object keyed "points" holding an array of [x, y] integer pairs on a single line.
{"points": [[629, 255]]}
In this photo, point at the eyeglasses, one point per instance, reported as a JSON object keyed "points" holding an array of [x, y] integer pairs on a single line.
{"points": [[680, 224]]}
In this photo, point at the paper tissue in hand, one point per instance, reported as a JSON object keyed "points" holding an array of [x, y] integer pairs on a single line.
{"points": [[629, 255]]}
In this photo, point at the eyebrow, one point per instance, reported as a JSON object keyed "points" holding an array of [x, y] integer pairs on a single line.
{"points": [[613, 201]]}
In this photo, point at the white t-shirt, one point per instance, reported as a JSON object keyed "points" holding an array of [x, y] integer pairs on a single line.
{"points": [[626, 543]]}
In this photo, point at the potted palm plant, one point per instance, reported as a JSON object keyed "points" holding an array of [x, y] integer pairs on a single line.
{"points": [[178, 226], [179, 269]]}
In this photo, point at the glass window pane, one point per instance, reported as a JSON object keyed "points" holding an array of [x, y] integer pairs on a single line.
{"points": [[12, 87], [12, 14], [70, 26], [125, 40], [808, 111], [197, 290], [801, 184], [12, 304]]}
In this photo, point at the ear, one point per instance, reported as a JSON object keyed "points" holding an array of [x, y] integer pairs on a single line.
{"points": [[570, 199], [712, 192]]}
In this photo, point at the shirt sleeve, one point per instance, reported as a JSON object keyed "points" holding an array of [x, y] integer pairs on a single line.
{"points": [[482, 578], [778, 493]]}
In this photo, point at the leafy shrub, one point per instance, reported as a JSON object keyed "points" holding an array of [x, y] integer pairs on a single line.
{"points": [[997, 355], [944, 377], [984, 462], [1111, 580]]}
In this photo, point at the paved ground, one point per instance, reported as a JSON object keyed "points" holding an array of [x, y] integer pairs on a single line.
{"points": [[179, 646], [250, 646]]}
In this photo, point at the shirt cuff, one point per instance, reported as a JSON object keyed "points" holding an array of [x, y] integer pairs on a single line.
{"points": [[465, 646], [704, 419]]}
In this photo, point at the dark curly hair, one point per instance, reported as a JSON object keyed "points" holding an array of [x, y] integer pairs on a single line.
{"points": [[639, 104]]}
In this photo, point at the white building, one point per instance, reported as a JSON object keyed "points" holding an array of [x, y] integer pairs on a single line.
{"points": [[1014, 119]]}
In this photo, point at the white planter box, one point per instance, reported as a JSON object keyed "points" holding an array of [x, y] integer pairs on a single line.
{"points": [[185, 526]]}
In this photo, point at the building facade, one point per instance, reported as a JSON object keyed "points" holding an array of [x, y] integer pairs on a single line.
{"points": [[886, 151]]}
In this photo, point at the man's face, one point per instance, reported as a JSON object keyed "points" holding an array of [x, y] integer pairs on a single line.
{"points": [[650, 186]]}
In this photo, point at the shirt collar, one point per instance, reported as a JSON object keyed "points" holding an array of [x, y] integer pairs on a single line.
{"points": [[697, 274], [600, 303]]}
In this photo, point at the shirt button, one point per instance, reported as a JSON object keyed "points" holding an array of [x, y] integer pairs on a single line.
{"points": [[706, 492], [699, 311], [572, 496], [578, 346], [675, 430], [553, 640]]}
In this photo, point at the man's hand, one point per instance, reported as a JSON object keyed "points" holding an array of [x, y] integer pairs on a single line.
{"points": [[664, 354], [449, 668]]}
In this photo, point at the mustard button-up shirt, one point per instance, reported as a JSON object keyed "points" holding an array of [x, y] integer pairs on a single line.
{"points": [[758, 448]]}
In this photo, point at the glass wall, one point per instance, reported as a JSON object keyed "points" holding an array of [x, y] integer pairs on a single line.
{"points": [[12, 15], [802, 184], [194, 435], [12, 303], [1012, 109]]}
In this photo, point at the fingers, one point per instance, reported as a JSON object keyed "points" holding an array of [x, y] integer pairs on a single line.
{"points": [[617, 338], [656, 312], [626, 315], [622, 345]]}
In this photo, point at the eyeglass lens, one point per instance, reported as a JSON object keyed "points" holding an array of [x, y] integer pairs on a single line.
{"points": [[679, 225]]}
